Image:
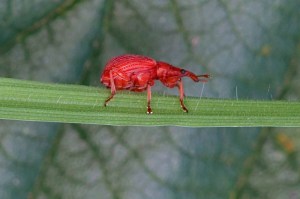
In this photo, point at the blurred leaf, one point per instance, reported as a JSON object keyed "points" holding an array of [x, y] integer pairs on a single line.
{"points": [[251, 48], [277, 175]]}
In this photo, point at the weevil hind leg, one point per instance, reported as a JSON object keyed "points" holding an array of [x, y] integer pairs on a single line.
{"points": [[112, 89], [109, 98], [181, 96], [149, 110]]}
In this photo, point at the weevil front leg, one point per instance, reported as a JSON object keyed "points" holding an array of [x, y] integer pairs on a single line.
{"points": [[112, 89], [181, 96], [149, 110]]}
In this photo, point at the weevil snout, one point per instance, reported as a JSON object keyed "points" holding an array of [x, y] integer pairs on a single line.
{"points": [[198, 78], [204, 77]]}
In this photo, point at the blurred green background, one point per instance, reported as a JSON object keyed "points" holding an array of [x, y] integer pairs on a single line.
{"points": [[252, 49]]}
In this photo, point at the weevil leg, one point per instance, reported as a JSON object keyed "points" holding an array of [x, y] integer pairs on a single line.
{"points": [[112, 89], [181, 94], [149, 110]]}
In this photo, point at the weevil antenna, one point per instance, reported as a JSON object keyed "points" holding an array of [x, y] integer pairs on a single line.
{"points": [[205, 76]]}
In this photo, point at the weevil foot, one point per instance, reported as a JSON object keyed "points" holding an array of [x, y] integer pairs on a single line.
{"points": [[184, 109], [149, 110]]}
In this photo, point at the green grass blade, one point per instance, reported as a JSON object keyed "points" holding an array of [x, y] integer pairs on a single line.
{"points": [[35, 101]]}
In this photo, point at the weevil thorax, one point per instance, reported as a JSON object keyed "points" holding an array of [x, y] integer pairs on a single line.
{"points": [[170, 75]]}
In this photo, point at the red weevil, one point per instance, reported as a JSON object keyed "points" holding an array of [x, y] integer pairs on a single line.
{"points": [[137, 73]]}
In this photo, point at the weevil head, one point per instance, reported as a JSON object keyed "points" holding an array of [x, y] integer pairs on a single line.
{"points": [[170, 75]]}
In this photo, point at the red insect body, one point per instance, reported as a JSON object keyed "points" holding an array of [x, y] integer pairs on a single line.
{"points": [[137, 73]]}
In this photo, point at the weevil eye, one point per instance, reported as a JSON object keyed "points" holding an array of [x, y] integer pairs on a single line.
{"points": [[182, 71]]}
